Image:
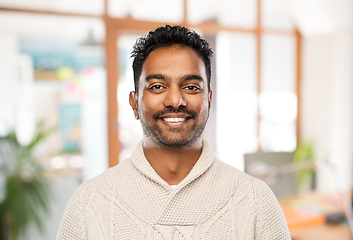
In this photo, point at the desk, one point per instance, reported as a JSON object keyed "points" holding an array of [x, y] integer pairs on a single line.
{"points": [[318, 230], [323, 232]]}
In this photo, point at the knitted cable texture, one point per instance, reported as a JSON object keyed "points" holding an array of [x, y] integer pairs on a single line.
{"points": [[214, 201]]}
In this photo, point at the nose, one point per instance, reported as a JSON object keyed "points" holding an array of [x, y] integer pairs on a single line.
{"points": [[174, 98]]}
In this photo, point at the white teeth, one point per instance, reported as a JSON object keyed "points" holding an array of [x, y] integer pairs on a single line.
{"points": [[174, 119]]}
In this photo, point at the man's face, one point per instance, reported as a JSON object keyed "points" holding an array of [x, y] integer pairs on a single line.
{"points": [[173, 101]]}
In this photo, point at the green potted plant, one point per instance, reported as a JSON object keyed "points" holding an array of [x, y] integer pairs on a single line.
{"points": [[304, 153], [26, 192]]}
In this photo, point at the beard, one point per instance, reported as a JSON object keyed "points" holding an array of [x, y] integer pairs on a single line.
{"points": [[173, 137]]}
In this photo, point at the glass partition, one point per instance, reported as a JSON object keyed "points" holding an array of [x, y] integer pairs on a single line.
{"points": [[236, 96], [130, 130], [57, 75], [278, 100], [52, 77]]}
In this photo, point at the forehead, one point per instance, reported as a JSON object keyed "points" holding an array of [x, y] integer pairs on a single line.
{"points": [[174, 59]]}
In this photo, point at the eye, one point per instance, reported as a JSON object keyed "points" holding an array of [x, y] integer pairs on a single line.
{"points": [[157, 88], [192, 88]]}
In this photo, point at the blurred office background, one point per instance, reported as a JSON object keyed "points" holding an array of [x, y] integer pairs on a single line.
{"points": [[282, 76]]}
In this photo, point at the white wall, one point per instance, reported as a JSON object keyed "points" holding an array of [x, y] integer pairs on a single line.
{"points": [[327, 101], [327, 83]]}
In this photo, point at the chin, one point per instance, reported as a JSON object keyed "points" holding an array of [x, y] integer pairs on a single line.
{"points": [[177, 142], [174, 138]]}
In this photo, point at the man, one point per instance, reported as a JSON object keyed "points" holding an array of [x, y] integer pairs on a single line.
{"points": [[173, 186]]}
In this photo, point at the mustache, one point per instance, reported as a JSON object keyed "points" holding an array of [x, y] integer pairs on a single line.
{"points": [[170, 109]]}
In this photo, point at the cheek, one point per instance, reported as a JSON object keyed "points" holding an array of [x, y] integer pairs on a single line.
{"points": [[149, 104], [204, 109], [200, 106]]}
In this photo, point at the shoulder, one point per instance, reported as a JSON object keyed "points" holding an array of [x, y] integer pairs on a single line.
{"points": [[225, 168], [121, 168], [253, 196], [245, 186], [103, 184], [242, 181], [91, 195]]}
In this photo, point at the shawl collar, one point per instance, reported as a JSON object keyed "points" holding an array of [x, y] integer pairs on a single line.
{"points": [[203, 163], [137, 189]]}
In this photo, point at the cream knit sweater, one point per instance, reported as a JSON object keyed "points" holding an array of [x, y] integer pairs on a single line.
{"points": [[215, 201]]}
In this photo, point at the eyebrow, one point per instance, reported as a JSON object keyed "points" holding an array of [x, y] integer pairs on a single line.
{"points": [[155, 76], [192, 77], [184, 78]]}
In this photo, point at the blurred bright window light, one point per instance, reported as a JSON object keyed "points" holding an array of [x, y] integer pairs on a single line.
{"points": [[16, 94], [76, 162], [6, 120], [278, 106], [278, 112], [9, 86], [236, 96], [95, 7], [148, 10], [130, 131], [277, 137], [25, 125], [278, 63], [236, 13], [58, 162], [236, 126], [278, 99]]}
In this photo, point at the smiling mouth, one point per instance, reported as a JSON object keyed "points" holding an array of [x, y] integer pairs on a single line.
{"points": [[174, 120]]}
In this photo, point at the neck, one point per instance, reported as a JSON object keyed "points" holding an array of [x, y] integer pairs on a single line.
{"points": [[172, 164]]}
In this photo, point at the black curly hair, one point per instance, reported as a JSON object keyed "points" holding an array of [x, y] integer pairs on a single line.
{"points": [[168, 36]]}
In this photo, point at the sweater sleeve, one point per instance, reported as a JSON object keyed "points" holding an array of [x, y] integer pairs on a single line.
{"points": [[270, 223], [71, 226]]}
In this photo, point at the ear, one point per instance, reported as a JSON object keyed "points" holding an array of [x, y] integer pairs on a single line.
{"points": [[134, 104], [209, 99]]}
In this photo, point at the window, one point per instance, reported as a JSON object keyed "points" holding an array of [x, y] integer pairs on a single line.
{"points": [[256, 63]]}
